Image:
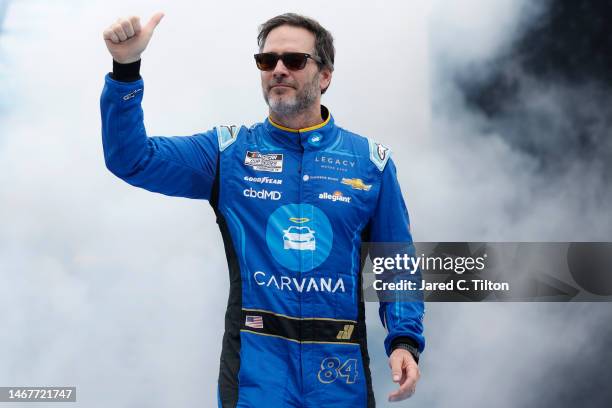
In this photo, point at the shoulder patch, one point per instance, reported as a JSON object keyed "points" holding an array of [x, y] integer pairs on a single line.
{"points": [[379, 154], [227, 135]]}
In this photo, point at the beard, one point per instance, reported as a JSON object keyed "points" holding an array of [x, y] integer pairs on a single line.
{"points": [[289, 105]]}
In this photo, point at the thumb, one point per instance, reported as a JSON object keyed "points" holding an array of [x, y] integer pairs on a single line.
{"points": [[154, 21], [396, 369]]}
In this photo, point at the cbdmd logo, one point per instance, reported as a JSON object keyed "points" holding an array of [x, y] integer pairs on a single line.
{"points": [[262, 194]]}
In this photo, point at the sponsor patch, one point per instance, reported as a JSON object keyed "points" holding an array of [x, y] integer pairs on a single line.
{"points": [[132, 94], [263, 180], [382, 151], [379, 154], [226, 135], [315, 139], [300, 285], [346, 333], [272, 162], [308, 178], [356, 184], [336, 196], [291, 237], [262, 194], [337, 163]]}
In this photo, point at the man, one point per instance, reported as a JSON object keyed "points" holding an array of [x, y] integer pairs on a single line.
{"points": [[295, 196]]}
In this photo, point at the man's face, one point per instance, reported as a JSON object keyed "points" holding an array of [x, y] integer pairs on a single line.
{"points": [[290, 92]]}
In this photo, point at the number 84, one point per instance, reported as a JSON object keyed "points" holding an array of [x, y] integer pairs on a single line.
{"points": [[331, 369]]}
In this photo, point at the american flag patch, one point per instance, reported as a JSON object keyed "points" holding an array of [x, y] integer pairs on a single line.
{"points": [[255, 322]]}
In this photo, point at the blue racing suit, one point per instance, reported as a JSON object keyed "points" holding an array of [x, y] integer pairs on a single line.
{"points": [[294, 207]]}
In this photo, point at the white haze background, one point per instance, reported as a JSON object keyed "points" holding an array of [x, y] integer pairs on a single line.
{"points": [[122, 292]]}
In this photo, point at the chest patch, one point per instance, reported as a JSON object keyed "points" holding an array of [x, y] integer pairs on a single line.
{"points": [[272, 162]]}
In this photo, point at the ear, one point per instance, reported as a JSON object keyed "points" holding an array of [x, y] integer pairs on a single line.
{"points": [[325, 77]]}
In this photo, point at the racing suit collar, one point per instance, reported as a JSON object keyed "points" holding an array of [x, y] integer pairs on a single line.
{"points": [[311, 138]]}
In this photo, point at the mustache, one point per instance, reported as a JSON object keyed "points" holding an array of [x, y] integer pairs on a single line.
{"points": [[280, 81]]}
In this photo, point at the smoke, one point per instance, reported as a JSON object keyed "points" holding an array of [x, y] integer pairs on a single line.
{"points": [[529, 135], [518, 151], [107, 287]]}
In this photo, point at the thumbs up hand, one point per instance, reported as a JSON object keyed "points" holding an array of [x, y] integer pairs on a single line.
{"points": [[126, 40]]}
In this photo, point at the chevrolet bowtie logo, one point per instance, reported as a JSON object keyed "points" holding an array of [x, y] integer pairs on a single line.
{"points": [[346, 333], [356, 184]]}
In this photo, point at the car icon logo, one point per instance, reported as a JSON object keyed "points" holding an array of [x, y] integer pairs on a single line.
{"points": [[299, 238]]}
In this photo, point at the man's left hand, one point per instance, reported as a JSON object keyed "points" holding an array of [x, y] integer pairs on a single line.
{"points": [[405, 372]]}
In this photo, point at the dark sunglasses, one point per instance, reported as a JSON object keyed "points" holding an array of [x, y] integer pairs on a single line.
{"points": [[294, 61]]}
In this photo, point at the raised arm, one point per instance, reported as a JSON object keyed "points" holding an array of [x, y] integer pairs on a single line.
{"points": [[181, 166]]}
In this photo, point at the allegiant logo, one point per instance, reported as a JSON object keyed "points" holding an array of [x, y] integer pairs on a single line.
{"points": [[262, 194], [337, 196]]}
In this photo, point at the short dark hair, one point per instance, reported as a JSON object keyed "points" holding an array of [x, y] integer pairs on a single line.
{"points": [[324, 42]]}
